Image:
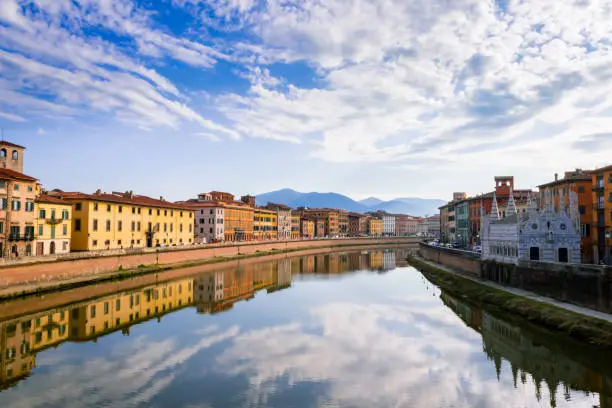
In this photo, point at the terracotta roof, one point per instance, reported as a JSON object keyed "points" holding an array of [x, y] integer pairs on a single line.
{"points": [[15, 175], [119, 198], [601, 169], [581, 177], [44, 198], [195, 204], [4, 142]]}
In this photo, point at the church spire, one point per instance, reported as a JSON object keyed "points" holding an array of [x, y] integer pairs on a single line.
{"points": [[511, 207], [562, 208], [494, 209]]}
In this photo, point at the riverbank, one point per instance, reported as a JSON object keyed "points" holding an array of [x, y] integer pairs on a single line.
{"points": [[42, 283], [579, 323]]}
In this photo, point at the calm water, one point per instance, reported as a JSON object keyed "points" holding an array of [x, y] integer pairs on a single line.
{"points": [[340, 330]]}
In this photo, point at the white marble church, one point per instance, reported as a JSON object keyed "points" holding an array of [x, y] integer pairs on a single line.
{"points": [[533, 235]]}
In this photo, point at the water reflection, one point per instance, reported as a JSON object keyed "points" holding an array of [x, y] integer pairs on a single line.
{"points": [[293, 332], [213, 292], [537, 359]]}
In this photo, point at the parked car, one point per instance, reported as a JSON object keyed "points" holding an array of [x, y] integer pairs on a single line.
{"points": [[455, 245], [477, 248]]}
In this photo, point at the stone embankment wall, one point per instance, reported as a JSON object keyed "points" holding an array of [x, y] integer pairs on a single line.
{"points": [[11, 275], [464, 261], [587, 285]]}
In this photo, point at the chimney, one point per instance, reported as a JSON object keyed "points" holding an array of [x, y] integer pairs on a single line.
{"points": [[98, 192], [556, 176], [161, 198]]}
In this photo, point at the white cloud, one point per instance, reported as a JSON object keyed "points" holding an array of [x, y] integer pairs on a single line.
{"points": [[41, 131], [12, 116]]}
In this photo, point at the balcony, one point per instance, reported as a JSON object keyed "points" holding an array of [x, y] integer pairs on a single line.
{"points": [[599, 206], [55, 221], [599, 186]]}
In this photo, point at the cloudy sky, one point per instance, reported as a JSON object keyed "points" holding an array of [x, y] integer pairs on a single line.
{"points": [[363, 97]]}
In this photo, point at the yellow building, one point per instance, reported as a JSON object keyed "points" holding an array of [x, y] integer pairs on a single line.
{"points": [[307, 228], [295, 226], [124, 220], [375, 228], [264, 224], [53, 229], [124, 309]]}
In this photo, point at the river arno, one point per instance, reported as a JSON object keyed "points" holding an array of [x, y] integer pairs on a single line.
{"points": [[350, 329]]}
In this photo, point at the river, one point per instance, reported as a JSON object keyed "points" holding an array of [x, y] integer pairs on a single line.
{"points": [[348, 329]]}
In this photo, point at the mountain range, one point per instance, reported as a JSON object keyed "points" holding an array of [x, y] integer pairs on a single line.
{"points": [[409, 205]]}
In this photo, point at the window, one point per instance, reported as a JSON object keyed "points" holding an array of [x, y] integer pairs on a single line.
{"points": [[41, 230], [30, 188], [78, 206], [133, 226], [29, 206], [133, 210], [181, 214], [77, 225], [181, 227], [190, 227], [158, 212], [107, 242], [534, 254], [65, 214], [118, 305], [119, 225], [95, 225], [201, 230], [15, 205], [65, 229], [211, 211], [138, 210], [106, 308], [165, 227], [150, 211], [581, 189], [201, 220], [3, 203], [120, 209], [138, 228], [93, 311], [16, 187], [563, 255], [95, 207], [15, 155], [108, 225], [42, 214], [108, 208], [94, 242], [165, 213], [65, 246], [171, 227], [119, 242], [211, 230]]}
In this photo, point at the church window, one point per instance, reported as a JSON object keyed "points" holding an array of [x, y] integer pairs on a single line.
{"points": [[563, 226]]}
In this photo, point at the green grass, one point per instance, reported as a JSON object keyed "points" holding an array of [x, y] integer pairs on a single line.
{"points": [[581, 327]]}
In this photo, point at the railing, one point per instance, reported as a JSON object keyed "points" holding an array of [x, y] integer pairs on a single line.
{"points": [[599, 206], [598, 186]]}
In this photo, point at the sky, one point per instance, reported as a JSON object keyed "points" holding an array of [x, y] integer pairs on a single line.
{"points": [[386, 98]]}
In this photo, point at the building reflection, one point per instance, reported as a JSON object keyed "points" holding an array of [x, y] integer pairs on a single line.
{"points": [[537, 357], [212, 292]]}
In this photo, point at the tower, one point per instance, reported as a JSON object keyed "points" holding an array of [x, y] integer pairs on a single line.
{"points": [[494, 209], [11, 156]]}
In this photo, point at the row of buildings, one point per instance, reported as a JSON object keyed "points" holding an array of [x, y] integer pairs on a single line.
{"points": [[577, 207], [35, 222]]}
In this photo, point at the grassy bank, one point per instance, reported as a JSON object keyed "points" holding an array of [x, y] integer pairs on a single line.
{"points": [[580, 327], [40, 288]]}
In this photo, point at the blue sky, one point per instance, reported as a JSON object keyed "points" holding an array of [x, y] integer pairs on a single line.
{"points": [[390, 98]]}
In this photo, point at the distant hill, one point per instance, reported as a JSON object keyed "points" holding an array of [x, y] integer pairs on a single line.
{"points": [[411, 205], [371, 201]]}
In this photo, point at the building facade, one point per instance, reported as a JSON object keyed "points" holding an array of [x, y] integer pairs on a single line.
{"points": [[283, 220], [354, 222], [265, 224], [18, 192], [433, 225], [53, 229], [580, 182], [402, 225], [601, 230], [388, 225], [125, 220], [535, 235], [375, 227]]}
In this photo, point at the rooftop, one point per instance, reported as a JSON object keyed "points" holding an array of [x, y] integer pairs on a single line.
{"points": [[15, 175], [5, 143], [119, 198]]}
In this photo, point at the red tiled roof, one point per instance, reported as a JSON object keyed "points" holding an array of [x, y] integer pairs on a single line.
{"points": [[121, 198], [15, 175], [4, 142], [44, 198]]}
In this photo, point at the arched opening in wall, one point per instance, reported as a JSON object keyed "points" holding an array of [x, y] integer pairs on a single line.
{"points": [[28, 250], [534, 253], [15, 155], [14, 250], [563, 255], [3, 153], [52, 248]]}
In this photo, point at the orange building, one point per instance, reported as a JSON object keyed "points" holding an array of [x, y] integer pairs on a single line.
{"points": [[295, 226], [307, 228], [375, 227], [327, 218], [580, 182], [601, 180]]}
